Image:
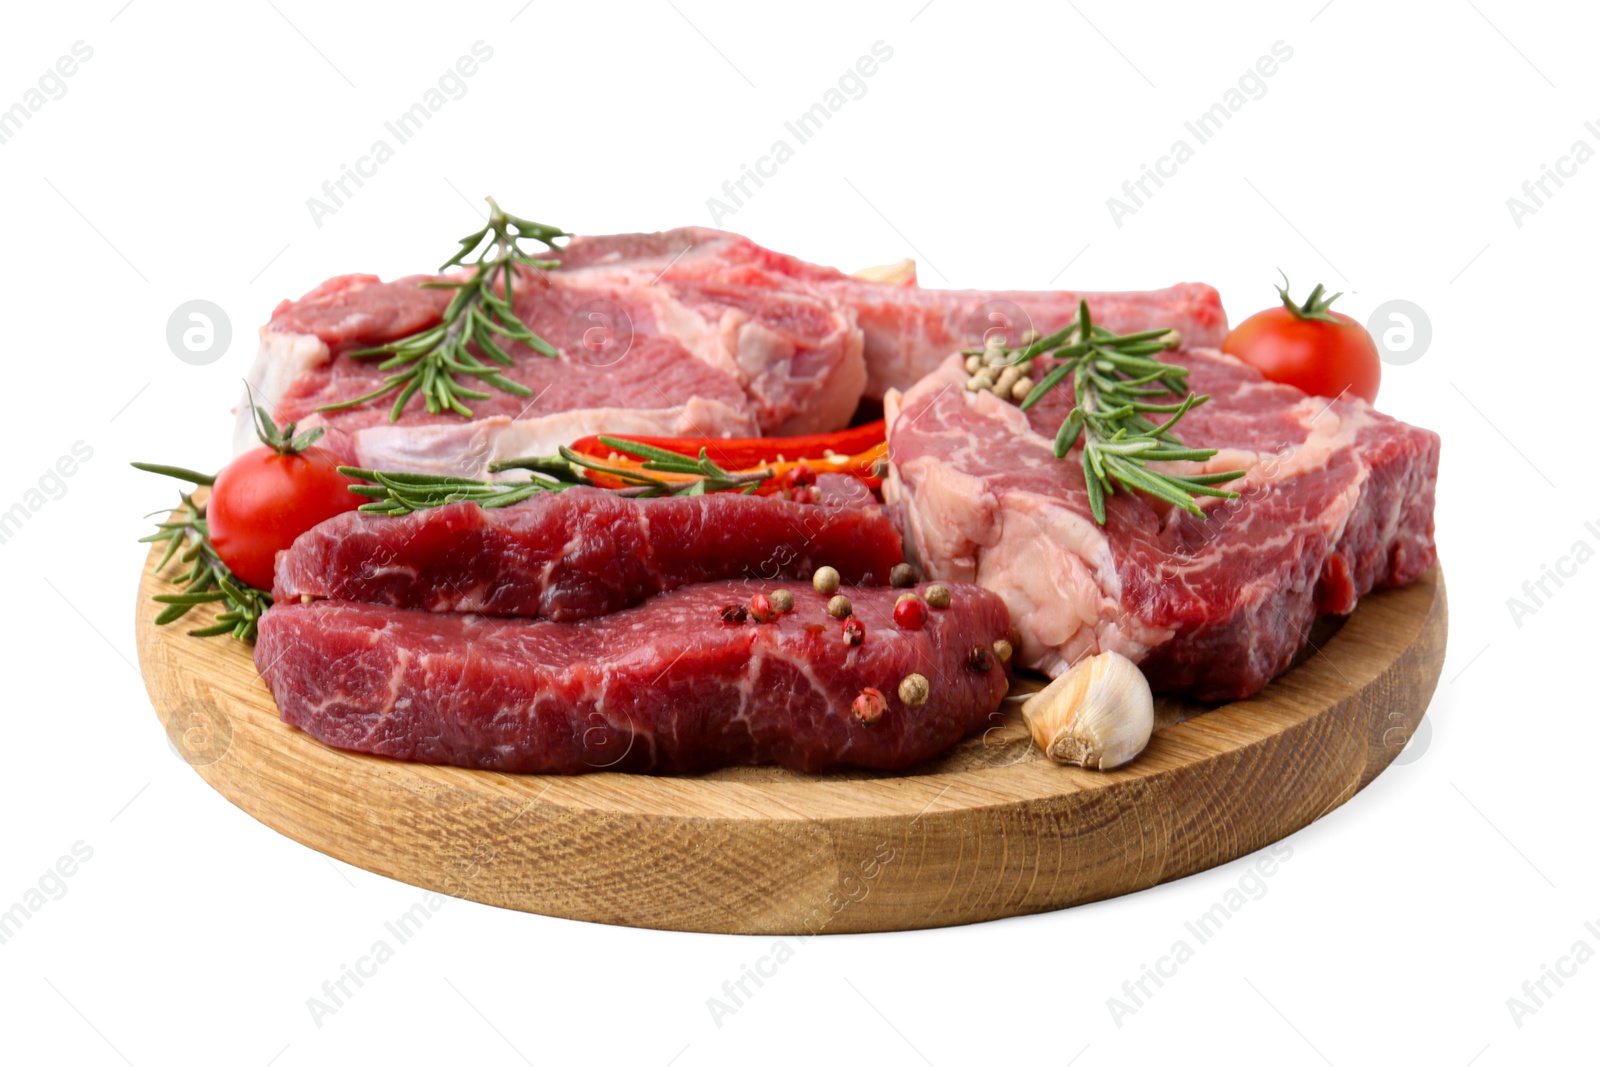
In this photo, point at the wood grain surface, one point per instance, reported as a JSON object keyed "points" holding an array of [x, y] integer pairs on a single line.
{"points": [[989, 830]]}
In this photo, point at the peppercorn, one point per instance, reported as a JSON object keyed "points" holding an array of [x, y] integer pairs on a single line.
{"points": [[852, 631], [903, 576], [869, 706], [825, 581], [762, 609], [799, 475], [913, 690], [980, 658], [910, 613], [839, 606], [733, 613], [783, 600], [937, 596]]}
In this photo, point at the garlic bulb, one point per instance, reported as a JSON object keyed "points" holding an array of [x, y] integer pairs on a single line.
{"points": [[1099, 714]]}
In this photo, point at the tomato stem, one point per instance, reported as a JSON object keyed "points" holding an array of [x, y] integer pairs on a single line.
{"points": [[282, 441], [1316, 305]]}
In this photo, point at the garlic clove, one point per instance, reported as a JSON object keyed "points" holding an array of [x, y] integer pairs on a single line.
{"points": [[1099, 714], [901, 273]]}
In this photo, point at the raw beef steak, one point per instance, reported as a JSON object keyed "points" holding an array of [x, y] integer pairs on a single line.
{"points": [[580, 552], [663, 687], [639, 382], [1338, 500], [908, 331]]}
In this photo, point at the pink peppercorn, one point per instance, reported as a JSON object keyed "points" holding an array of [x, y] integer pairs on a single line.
{"points": [[910, 613], [761, 608], [869, 706]]}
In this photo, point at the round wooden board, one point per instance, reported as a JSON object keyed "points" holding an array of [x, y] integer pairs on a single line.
{"points": [[989, 830]]}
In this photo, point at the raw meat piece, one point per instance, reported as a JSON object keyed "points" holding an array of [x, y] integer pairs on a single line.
{"points": [[797, 354], [579, 553], [689, 332], [1338, 500], [908, 331], [663, 687], [844, 489], [647, 385], [640, 355]]}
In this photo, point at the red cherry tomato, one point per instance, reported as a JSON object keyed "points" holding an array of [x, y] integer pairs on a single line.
{"points": [[264, 499], [1320, 352]]}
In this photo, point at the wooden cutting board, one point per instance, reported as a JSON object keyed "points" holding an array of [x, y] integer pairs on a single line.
{"points": [[989, 830]]}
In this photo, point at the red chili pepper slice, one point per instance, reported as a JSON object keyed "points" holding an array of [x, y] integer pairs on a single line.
{"points": [[803, 457], [746, 453]]}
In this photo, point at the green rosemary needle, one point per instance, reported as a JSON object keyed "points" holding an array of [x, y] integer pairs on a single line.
{"points": [[207, 580], [1117, 380], [711, 478], [397, 493], [394, 493], [429, 362]]}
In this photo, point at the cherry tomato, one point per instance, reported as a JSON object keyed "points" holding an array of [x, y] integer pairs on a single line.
{"points": [[265, 499], [1318, 351]]}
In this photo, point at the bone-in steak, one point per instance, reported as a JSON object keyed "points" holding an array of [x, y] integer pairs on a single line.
{"points": [[1338, 500]]}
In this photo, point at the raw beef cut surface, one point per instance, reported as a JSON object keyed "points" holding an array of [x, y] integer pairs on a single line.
{"points": [[1338, 500], [662, 687], [641, 381], [907, 331], [580, 552], [690, 332]]}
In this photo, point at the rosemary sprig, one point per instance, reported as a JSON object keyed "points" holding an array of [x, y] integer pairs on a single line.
{"points": [[400, 494], [207, 580], [1117, 381], [710, 478], [428, 362]]}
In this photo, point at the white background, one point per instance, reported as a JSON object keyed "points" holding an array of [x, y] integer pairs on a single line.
{"points": [[177, 166]]}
